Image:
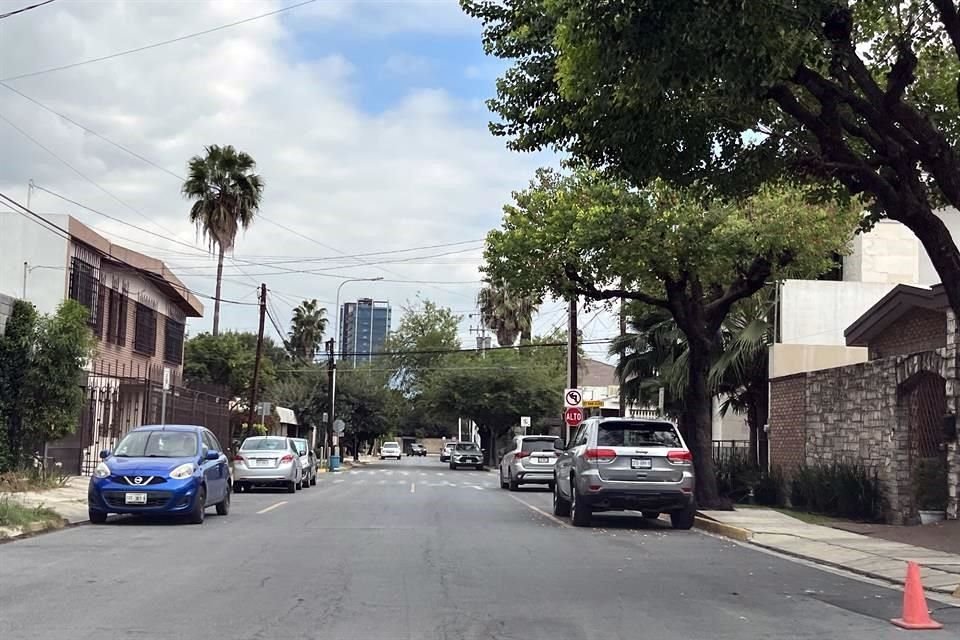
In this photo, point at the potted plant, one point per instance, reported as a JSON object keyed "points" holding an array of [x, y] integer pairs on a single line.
{"points": [[930, 489]]}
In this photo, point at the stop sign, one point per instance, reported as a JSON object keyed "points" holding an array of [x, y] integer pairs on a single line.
{"points": [[573, 416]]}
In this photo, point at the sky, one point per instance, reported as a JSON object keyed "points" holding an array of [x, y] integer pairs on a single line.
{"points": [[367, 120]]}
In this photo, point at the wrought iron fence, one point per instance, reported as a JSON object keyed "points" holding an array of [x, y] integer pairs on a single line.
{"points": [[726, 449]]}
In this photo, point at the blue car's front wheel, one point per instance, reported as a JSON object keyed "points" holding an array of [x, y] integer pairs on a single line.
{"points": [[97, 517], [199, 506]]}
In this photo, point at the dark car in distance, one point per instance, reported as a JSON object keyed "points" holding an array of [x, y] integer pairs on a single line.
{"points": [[417, 449]]}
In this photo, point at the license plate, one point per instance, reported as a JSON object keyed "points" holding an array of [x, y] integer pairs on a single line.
{"points": [[135, 498], [265, 462], [641, 463], [543, 460]]}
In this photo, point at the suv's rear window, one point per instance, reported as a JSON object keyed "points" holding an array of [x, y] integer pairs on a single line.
{"points": [[637, 434], [540, 444], [265, 444]]}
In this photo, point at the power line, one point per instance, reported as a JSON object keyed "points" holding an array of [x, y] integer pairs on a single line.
{"points": [[156, 44], [66, 235], [32, 6]]}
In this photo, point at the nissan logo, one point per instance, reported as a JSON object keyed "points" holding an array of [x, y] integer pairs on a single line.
{"points": [[138, 480]]}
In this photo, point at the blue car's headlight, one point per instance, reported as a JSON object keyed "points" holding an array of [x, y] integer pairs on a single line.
{"points": [[102, 470], [183, 472]]}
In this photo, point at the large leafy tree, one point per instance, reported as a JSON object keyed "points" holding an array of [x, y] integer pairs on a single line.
{"points": [[865, 93], [226, 194], [585, 235], [426, 335], [307, 327], [654, 358], [508, 315], [495, 392], [227, 360], [41, 360]]}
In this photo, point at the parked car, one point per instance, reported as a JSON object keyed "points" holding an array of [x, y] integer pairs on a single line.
{"points": [[446, 451], [391, 450], [466, 454], [308, 462], [530, 460], [417, 449], [615, 464], [172, 470], [267, 461]]}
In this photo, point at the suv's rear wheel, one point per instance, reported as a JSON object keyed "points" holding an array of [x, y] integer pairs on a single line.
{"points": [[683, 519], [503, 483], [580, 512], [561, 506], [514, 486], [651, 515]]}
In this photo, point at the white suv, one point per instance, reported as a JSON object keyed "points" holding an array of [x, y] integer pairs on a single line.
{"points": [[391, 450]]}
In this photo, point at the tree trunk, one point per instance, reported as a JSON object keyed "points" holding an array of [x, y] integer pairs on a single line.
{"points": [[216, 296], [937, 242], [698, 419]]}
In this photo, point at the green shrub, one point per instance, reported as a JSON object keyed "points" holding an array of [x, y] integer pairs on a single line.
{"points": [[736, 474], [770, 488], [842, 489]]}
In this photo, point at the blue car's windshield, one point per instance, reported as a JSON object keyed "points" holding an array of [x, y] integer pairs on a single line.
{"points": [[157, 444]]}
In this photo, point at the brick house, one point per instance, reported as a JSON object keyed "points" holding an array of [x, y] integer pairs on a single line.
{"points": [[138, 313], [888, 410]]}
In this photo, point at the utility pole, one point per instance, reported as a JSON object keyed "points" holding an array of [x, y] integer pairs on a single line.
{"points": [[256, 362], [483, 342], [623, 353], [571, 350], [331, 380]]}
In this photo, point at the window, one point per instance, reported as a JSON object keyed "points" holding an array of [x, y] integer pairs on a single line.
{"points": [[173, 341], [117, 320], [208, 442], [540, 444], [637, 434], [85, 287], [145, 330]]}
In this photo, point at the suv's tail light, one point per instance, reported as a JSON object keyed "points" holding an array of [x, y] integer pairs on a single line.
{"points": [[238, 458], [680, 456], [522, 454], [602, 456], [286, 458]]}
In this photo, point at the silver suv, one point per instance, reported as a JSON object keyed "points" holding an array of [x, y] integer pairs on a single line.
{"points": [[530, 460], [618, 464]]}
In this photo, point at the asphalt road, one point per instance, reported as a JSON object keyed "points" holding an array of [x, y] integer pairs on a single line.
{"points": [[411, 550]]}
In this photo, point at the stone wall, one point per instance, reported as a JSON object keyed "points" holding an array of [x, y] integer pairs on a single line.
{"points": [[950, 373], [857, 413]]}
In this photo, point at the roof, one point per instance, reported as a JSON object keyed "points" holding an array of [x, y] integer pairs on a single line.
{"points": [[890, 308], [153, 268], [169, 427], [594, 373], [286, 416]]}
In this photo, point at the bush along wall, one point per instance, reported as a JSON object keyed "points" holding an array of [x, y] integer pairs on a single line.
{"points": [[842, 489]]}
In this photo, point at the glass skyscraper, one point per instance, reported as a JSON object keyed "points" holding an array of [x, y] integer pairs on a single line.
{"points": [[364, 326]]}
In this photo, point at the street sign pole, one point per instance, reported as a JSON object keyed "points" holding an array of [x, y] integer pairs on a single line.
{"points": [[163, 395]]}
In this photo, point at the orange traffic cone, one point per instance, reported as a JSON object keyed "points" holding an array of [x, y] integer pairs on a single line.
{"points": [[915, 612]]}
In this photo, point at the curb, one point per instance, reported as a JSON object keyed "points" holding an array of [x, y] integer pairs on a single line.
{"points": [[745, 535], [722, 529], [36, 528]]}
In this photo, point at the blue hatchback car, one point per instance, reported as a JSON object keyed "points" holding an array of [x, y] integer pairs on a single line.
{"points": [[161, 470]]}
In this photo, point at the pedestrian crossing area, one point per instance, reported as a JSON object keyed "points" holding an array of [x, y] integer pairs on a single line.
{"points": [[422, 479]]}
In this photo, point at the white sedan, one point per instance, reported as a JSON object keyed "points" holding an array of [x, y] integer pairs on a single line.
{"points": [[391, 450]]}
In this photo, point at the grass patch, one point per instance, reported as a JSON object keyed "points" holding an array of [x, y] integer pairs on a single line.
{"points": [[20, 482], [14, 514], [803, 516]]}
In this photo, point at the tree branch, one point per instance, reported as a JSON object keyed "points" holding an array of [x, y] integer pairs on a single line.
{"points": [[747, 283], [587, 289], [950, 18]]}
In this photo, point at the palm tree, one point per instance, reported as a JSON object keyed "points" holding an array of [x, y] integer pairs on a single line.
{"points": [[306, 330], [226, 193], [655, 357], [506, 314]]}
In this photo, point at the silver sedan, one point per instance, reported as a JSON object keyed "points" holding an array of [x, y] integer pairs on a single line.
{"points": [[267, 461]]}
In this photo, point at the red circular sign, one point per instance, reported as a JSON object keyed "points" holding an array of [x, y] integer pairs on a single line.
{"points": [[573, 416]]}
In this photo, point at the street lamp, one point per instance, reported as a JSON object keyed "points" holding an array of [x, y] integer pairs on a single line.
{"points": [[336, 327], [28, 268]]}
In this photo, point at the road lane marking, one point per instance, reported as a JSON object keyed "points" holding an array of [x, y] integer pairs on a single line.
{"points": [[272, 507], [382, 482], [476, 487], [413, 487], [550, 516], [338, 481]]}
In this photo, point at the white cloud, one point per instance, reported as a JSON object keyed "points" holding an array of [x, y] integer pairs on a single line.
{"points": [[404, 64], [417, 173]]}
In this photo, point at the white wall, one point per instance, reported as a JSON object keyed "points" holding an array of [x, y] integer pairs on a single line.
{"points": [[23, 240], [927, 274], [888, 253], [732, 426], [818, 311]]}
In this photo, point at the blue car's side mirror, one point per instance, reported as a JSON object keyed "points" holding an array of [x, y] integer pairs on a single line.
{"points": [[104, 454], [212, 455]]}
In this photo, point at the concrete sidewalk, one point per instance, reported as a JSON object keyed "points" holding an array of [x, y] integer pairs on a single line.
{"points": [[68, 501], [872, 557]]}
